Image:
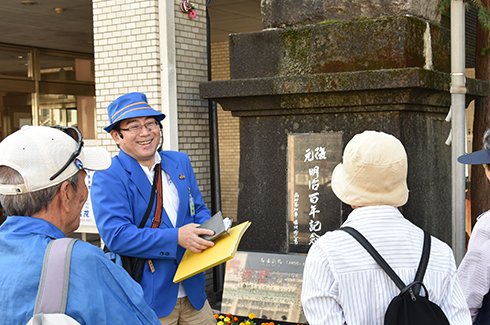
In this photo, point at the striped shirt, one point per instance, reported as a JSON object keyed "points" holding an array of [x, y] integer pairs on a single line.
{"points": [[342, 283], [474, 271]]}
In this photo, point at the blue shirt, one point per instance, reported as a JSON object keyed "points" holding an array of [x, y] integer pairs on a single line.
{"points": [[100, 292]]}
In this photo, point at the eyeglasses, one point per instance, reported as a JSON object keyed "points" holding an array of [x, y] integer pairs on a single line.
{"points": [[135, 129], [77, 136]]}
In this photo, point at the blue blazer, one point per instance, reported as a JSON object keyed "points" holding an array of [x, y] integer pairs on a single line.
{"points": [[120, 196]]}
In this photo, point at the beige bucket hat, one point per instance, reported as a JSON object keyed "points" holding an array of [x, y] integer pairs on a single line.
{"points": [[373, 171]]}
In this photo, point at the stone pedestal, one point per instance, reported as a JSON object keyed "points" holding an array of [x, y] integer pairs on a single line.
{"points": [[387, 74], [289, 13]]}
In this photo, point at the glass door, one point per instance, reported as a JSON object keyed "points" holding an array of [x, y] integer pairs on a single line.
{"points": [[15, 111], [55, 109]]}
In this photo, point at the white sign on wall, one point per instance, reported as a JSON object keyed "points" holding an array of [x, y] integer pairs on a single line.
{"points": [[87, 215]]}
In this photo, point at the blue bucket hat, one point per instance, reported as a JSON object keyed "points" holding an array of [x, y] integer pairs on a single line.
{"points": [[128, 106], [476, 158]]}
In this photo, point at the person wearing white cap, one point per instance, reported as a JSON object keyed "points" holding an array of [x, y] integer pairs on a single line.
{"points": [[42, 189], [122, 196], [474, 270], [342, 283]]}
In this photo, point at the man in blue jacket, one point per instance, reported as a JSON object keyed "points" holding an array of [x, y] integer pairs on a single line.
{"points": [[42, 189], [121, 194]]}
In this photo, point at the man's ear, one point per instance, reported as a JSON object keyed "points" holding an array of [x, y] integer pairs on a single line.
{"points": [[116, 135], [66, 193]]}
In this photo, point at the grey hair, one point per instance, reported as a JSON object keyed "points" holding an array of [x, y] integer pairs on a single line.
{"points": [[28, 204], [486, 140]]}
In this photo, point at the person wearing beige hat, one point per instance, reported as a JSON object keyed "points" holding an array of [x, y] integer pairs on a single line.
{"points": [[42, 189], [342, 283]]}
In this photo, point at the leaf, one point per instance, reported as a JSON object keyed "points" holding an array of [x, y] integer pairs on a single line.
{"points": [[484, 18], [485, 50]]}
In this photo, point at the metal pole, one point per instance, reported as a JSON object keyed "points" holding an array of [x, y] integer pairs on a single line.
{"points": [[458, 125], [219, 270]]}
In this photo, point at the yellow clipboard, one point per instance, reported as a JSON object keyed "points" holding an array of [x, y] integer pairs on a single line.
{"points": [[223, 250]]}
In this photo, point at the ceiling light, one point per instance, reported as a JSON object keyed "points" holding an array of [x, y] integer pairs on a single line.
{"points": [[59, 10], [28, 3]]}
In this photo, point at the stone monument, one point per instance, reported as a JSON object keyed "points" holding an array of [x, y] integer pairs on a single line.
{"points": [[316, 75]]}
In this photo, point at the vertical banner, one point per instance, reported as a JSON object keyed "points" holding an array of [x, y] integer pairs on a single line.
{"points": [[313, 209]]}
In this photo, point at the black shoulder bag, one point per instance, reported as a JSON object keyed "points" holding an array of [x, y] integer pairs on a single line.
{"points": [[483, 316], [408, 308], [135, 265]]}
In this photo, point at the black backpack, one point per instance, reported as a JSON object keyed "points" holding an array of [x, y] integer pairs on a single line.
{"points": [[408, 308], [484, 312]]}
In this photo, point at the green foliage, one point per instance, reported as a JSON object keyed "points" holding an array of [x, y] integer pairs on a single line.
{"points": [[485, 51], [444, 7], [482, 11]]}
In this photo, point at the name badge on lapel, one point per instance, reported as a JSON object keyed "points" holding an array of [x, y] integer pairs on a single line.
{"points": [[191, 203]]}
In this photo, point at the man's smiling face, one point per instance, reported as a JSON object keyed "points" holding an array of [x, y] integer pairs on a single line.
{"points": [[142, 145]]}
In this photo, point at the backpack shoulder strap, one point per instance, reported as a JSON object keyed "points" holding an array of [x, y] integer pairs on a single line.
{"points": [[55, 277], [374, 253], [424, 261], [419, 276]]}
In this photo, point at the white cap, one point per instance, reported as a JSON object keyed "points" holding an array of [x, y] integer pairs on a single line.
{"points": [[373, 172], [38, 152]]}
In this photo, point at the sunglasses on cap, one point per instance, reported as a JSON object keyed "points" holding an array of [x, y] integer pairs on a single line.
{"points": [[77, 136]]}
